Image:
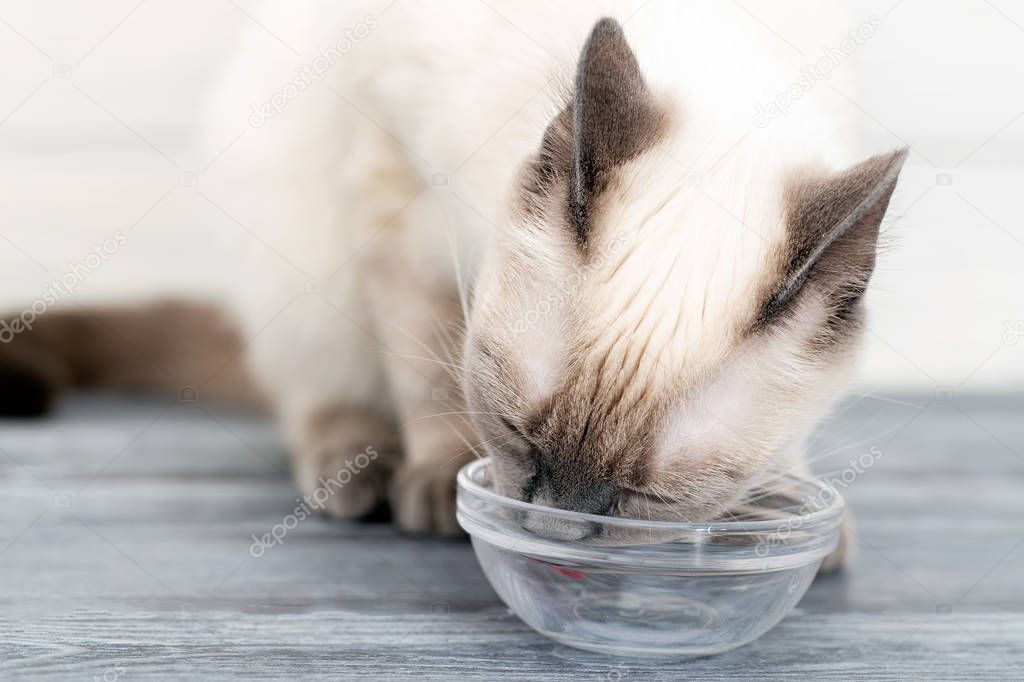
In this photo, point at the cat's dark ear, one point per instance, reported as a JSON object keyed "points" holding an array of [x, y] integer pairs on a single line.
{"points": [[614, 117], [832, 227]]}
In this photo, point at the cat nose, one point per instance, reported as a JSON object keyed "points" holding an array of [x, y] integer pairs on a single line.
{"points": [[586, 495], [554, 528]]}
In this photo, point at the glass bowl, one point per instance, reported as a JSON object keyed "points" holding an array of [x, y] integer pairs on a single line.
{"points": [[650, 588]]}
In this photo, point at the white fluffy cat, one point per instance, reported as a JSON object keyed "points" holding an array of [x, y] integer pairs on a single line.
{"points": [[618, 255]]}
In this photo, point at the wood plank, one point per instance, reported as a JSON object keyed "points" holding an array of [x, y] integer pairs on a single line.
{"points": [[125, 550]]}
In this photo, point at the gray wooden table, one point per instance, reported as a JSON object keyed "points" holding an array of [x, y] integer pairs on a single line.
{"points": [[125, 553]]}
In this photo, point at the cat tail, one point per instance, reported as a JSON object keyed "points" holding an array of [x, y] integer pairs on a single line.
{"points": [[184, 349]]}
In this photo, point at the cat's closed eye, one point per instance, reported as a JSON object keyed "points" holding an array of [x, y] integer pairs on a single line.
{"points": [[515, 460]]}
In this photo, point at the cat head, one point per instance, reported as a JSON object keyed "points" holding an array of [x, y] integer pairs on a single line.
{"points": [[644, 345]]}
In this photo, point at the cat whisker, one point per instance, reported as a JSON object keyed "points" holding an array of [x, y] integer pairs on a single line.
{"points": [[463, 438], [864, 441], [449, 414], [460, 283], [508, 438], [426, 347], [418, 357], [449, 343]]}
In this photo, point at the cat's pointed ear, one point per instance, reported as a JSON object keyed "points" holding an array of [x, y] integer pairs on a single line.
{"points": [[832, 227], [613, 117]]}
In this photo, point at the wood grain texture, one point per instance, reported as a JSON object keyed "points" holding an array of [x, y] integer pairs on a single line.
{"points": [[125, 553]]}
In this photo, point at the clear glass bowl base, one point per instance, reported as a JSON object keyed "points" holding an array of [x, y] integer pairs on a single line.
{"points": [[625, 613], [632, 587]]}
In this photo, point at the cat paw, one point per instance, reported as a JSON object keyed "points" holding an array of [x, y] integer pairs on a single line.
{"points": [[343, 484], [422, 497]]}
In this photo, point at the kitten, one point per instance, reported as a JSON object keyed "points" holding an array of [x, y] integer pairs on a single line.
{"points": [[538, 244]]}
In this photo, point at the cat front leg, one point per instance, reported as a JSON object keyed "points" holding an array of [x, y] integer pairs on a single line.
{"points": [[422, 491], [319, 364], [418, 323], [438, 439]]}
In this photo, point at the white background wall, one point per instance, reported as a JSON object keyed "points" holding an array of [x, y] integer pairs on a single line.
{"points": [[100, 101]]}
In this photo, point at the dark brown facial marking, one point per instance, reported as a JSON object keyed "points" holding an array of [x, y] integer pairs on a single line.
{"points": [[614, 117], [611, 118], [832, 233], [584, 448]]}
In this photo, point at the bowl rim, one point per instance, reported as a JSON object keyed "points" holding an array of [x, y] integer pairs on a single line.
{"points": [[832, 509]]}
